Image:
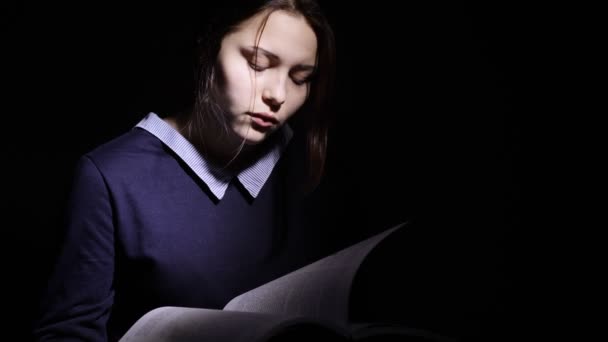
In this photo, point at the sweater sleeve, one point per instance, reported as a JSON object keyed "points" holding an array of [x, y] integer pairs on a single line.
{"points": [[79, 295]]}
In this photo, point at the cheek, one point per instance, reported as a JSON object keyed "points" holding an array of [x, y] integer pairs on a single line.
{"points": [[297, 100], [237, 83]]}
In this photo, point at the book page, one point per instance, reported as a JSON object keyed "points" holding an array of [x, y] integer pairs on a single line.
{"points": [[320, 290], [182, 324]]}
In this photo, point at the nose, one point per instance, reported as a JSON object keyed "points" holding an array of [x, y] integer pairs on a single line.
{"points": [[274, 93]]}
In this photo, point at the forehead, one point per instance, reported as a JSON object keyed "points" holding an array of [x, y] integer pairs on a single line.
{"points": [[287, 35]]}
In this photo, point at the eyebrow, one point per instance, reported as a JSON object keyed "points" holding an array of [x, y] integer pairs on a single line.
{"points": [[274, 57]]}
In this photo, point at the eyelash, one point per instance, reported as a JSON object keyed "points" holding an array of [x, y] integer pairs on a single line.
{"points": [[255, 67], [258, 69], [299, 83]]}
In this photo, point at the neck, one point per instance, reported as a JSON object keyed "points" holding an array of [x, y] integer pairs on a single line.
{"points": [[215, 143]]}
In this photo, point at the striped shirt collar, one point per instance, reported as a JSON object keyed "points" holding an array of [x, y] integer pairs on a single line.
{"points": [[252, 178]]}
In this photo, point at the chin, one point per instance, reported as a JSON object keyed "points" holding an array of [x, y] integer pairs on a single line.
{"points": [[254, 135], [256, 140], [251, 138]]}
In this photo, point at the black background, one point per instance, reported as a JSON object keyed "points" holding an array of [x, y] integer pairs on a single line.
{"points": [[427, 127]]}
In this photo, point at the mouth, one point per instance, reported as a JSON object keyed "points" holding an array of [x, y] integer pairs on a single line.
{"points": [[263, 120]]}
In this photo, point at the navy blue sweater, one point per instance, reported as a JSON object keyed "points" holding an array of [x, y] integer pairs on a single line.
{"points": [[143, 231]]}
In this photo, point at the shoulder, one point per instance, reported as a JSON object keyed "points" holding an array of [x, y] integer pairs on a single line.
{"points": [[133, 142], [128, 152]]}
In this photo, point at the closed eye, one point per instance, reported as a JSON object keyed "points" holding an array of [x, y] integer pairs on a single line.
{"points": [[301, 77], [256, 67], [259, 60], [301, 81]]}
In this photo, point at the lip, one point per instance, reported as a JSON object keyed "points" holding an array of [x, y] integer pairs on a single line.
{"points": [[264, 119]]}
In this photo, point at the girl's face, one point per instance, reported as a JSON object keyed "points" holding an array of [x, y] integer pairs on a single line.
{"points": [[260, 92]]}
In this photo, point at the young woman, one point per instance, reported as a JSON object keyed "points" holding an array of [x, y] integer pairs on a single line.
{"points": [[192, 209]]}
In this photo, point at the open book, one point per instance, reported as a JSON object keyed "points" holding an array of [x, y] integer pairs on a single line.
{"points": [[311, 302]]}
